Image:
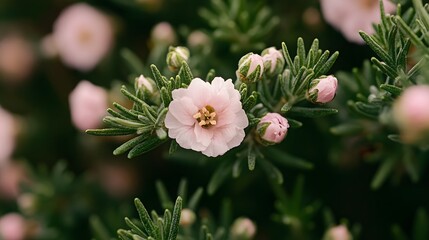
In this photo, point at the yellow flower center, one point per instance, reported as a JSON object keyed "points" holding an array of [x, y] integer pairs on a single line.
{"points": [[206, 116], [368, 4]]}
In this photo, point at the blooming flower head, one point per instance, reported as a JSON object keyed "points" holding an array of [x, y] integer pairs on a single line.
{"points": [[250, 68], [17, 58], [207, 117], [273, 61], [339, 232], [243, 228], [12, 227], [88, 104], [7, 135], [323, 90], [350, 16], [83, 36], [411, 113], [272, 128]]}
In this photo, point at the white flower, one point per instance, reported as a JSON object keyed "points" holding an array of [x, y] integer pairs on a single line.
{"points": [[350, 16], [83, 36], [7, 135], [207, 117], [17, 58], [88, 104]]}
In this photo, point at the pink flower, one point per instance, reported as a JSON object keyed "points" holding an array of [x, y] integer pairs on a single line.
{"points": [[272, 128], [12, 227], [243, 228], [83, 36], [350, 16], [323, 90], [17, 58], [339, 232], [163, 33], [411, 113], [12, 175], [88, 104], [207, 117], [7, 135]]}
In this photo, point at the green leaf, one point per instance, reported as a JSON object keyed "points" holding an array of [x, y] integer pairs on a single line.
{"points": [[394, 90], [272, 171], [130, 144], [145, 146], [174, 229], [134, 227], [144, 218], [157, 77], [251, 158], [421, 225], [383, 172], [211, 75], [100, 231], [219, 176], [134, 63], [294, 123], [375, 46], [163, 195], [195, 198], [312, 112], [288, 59], [349, 128], [110, 132], [286, 159], [185, 73]]}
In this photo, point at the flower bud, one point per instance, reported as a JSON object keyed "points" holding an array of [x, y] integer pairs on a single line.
{"points": [[243, 228], [411, 113], [146, 89], [273, 61], [272, 128], [187, 217], [176, 56], [339, 232], [322, 90], [163, 33], [250, 68]]}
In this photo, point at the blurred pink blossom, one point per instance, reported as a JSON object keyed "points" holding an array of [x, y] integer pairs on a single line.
{"points": [[207, 117], [12, 227], [339, 232], [7, 135], [272, 128], [411, 113], [88, 104], [119, 180], [243, 228], [82, 36], [350, 16], [11, 176], [163, 33], [17, 58]]}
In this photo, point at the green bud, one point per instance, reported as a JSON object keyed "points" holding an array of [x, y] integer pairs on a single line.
{"points": [[175, 57]]}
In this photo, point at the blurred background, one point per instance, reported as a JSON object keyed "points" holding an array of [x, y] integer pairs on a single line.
{"points": [[62, 63]]}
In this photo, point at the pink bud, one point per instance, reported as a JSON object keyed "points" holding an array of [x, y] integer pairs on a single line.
{"points": [[339, 232], [272, 128], [88, 104], [323, 90], [12, 227], [411, 112], [243, 228], [17, 58], [163, 33]]}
